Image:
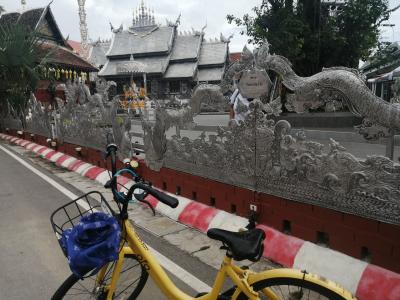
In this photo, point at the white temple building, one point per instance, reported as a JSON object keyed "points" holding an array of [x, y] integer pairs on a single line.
{"points": [[159, 57]]}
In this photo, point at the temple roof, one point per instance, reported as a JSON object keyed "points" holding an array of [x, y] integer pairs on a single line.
{"points": [[181, 70], [39, 19], [210, 74], [76, 46], [52, 46], [153, 65], [31, 18], [97, 53], [186, 53], [156, 41], [162, 50], [63, 57], [186, 47], [234, 57], [213, 53], [9, 18]]}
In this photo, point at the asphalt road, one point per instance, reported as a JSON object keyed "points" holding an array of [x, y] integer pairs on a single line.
{"points": [[33, 265]]}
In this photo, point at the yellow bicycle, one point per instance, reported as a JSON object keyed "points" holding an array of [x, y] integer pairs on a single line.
{"points": [[126, 277]]}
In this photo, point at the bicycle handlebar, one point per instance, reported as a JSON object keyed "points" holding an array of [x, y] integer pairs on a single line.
{"points": [[164, 198]]}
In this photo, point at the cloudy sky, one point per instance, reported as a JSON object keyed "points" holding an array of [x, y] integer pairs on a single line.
{"points": [[195, 14]]}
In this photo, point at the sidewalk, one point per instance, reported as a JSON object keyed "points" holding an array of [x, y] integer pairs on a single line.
{"points": [[366, 281]]}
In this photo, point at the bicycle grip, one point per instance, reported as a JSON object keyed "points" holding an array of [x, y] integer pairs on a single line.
{"points": [[164, 198]]}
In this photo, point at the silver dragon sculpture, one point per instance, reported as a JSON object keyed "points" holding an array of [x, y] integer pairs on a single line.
{"points": [[332, 83], [178, 115]]}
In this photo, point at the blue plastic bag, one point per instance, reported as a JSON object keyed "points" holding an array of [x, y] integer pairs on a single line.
{"points": [[93, 242]]}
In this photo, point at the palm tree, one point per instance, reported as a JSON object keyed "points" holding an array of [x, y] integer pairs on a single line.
{"points": [[19, 66]]}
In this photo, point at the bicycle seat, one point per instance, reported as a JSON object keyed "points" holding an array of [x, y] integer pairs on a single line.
{"points": [[243, 245]]}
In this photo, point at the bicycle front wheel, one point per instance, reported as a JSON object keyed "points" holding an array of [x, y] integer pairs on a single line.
{"points": [[293, 289], [132, 279]]}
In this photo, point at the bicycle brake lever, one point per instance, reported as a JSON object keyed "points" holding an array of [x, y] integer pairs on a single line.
{"points": [[149, 204], [107, 185]]}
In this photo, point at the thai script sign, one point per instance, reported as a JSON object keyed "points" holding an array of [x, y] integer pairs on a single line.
{"points": [[254, 83]]}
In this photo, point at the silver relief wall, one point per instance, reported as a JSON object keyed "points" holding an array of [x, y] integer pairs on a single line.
{"points": [[258, 153]]}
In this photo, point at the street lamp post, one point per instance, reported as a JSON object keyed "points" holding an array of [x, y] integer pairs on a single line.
{"points": [[390, 25]]}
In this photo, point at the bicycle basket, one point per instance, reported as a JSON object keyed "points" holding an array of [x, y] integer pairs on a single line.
{"points": [[70, 214]]}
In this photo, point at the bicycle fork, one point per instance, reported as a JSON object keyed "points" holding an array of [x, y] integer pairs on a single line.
{"points": [[109, 290]]}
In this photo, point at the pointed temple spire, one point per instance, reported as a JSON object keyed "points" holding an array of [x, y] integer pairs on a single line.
{"points": [[143, 16]]}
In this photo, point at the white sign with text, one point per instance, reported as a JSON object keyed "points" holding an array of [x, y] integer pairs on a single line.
{"points": [[254, 84]]}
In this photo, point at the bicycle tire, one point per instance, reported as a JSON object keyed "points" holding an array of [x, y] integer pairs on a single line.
{"points": [[309, 289], [85, 287]]}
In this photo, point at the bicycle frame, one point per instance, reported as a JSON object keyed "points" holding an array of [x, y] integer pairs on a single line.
{"points": [[162, 280], [242, 279]]}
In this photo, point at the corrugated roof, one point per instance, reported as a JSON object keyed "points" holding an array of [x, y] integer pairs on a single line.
{"points": [[157, 41], [186, 47], [153, 65], [213, 53], [181, 70], [210, 74]]}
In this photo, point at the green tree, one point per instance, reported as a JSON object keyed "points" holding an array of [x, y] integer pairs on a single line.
{"points": [[310, 37], [19, 66]]}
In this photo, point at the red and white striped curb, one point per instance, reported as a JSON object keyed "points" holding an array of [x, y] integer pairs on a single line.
{"points": [[366, 281]]}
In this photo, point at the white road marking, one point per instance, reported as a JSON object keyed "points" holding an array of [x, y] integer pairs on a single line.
{"points": [[52, 182], [169, 265]]}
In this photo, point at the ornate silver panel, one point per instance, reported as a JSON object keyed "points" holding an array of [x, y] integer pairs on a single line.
{"points": [[262, 155], [265, 156]]}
